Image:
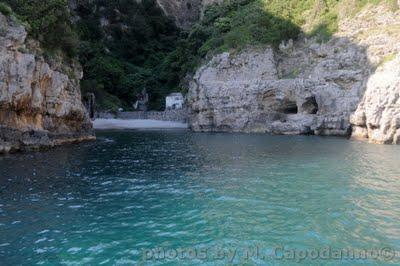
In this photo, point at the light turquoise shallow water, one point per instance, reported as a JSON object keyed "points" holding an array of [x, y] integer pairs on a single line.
{"points": [[108, 202]]}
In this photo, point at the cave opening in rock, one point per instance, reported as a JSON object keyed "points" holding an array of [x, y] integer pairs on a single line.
{"points": [[290, 107], [310, 106]]}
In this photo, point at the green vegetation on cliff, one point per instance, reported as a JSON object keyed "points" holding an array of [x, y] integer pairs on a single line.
{"points": [[234, 24], [5, 9], [123, 46], [49, 22], [127, 45]]}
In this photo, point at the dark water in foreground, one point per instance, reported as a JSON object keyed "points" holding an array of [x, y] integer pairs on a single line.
{"points": [[200, 197]]}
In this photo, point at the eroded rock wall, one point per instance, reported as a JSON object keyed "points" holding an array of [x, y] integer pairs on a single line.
{"points": [[305, 87], [377, 117], [40, 104], [185, 12], [251, 92]]}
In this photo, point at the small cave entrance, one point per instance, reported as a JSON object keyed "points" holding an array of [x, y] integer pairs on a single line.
{"points": [[289, 107], [310, 106]]}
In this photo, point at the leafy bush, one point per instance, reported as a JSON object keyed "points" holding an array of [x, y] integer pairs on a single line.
{"points": [[140, 48], [5, 9], [128, 51], [233, 25], [49, 22]]}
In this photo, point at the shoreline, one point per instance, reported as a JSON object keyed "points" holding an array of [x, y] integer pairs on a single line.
{"points": [[103, 124], [151, 124]]}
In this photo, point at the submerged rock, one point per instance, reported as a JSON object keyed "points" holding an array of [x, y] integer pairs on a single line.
{"points": [[40, 102]]}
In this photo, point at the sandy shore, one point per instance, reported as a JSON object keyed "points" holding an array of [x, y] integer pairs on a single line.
{"points": [[136, 124]]}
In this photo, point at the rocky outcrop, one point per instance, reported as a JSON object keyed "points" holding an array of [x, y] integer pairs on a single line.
{"points": [[254, 91], [305, 87], [185, 12], [40, 102], [377, 118]]}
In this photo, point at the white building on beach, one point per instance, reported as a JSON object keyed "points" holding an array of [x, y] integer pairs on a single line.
{"points": [[174, 101]]}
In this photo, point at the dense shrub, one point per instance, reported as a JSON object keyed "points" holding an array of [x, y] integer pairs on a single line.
{"points": [[232, 25], [49, 22], [138, 47], [5, 9], [126, 52]]}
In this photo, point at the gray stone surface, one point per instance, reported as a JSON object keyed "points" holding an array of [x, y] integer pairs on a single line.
{"points": [[185, 12], [377, 117], [168, 115], [40, 105], [306, 87], [248, 92]]}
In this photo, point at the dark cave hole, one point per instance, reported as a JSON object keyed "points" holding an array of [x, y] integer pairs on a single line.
{"points": [[310, 106], [290, 107]]}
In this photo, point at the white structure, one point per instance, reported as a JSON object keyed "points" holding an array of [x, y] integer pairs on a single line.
{"points": [[174, 101]]}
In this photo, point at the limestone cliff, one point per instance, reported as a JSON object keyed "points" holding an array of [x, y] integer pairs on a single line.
{"points": [[377, 117], [305, 87], [255, 91], [40, 101], [185, 12]]}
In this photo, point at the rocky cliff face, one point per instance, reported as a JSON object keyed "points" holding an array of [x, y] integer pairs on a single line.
{"points": [[255, 91], [185, 12], [377, 117], [40, 103], [306, 87]]}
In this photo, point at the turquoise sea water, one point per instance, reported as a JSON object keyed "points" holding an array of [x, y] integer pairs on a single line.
{"points": [[180, 198]]}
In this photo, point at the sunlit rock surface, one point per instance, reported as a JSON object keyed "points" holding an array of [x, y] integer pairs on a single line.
{"points": [[40, 103], [305, 87], [378, 116], [249, 92]]}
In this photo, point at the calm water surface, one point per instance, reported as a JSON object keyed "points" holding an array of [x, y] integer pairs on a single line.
{"points": [[108, 202]]}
